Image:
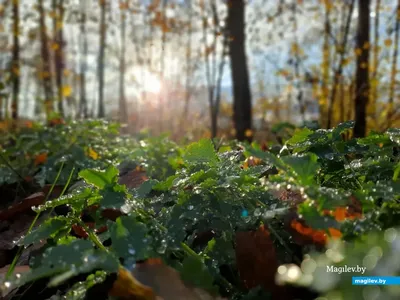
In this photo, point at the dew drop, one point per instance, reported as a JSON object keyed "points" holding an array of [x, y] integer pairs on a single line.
{"points": [[163, 247], [329, 156], [257, 212]]}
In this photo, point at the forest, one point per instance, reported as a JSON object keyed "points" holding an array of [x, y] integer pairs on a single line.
{"points": [[200, 149]]}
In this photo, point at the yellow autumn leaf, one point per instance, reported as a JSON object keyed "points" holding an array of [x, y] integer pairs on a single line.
{"points": [[53, 14], [66, 91], [93, 154], [248, 133], [55, 46], [358, 51], [346, 61], [16, 71], [59, 25], [387, 42], [374, 82]]}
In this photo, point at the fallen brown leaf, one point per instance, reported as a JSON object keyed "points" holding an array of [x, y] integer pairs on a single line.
{"points": [[153, 280], [257, 261]]}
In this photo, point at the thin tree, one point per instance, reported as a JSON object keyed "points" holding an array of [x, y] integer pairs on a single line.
{"points": [[339, 69], [188, 64], [103, 4], [362, 68], [214, 71], [162, 64], [375, 49], [46, 70], [123, 114], [296, 65], [58, 18], [392, 89], [326, 63], [15, 65], [83, 109], [242, 114]]}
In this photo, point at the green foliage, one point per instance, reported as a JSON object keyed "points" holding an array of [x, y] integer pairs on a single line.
{"points": [[100, 178], [195, 189]]}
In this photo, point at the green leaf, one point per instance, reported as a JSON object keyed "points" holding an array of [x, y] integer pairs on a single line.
{"points": [[269, 158], [394, 135], [65, 261], [342, 127], [201, 152], [74, 199], [130, 238], [145, 188], [100, 178], [113, 196], [166, 184], [314, 219], [299, 136], [305, 167], [78, 290], [194, 271], [396, 172], [45, 230]]}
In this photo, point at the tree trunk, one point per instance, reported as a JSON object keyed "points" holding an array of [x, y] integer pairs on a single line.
{"points": [[58, 9], [362, 72], [123, 114], [103, 3], [375, 62], [326, 64], [83, 109], [188, 66], [296, 65], [15, 67], [391, 111], [161, 95], [339, 70], [46, 70], [242, 115]]}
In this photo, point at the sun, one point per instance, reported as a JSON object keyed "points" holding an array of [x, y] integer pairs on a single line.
{"points": [[152, 84]]}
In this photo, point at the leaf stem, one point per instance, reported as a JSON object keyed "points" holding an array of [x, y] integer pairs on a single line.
{"points": [[21, 248]]}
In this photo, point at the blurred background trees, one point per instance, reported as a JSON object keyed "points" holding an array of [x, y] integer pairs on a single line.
{"points": [[202, 67]]}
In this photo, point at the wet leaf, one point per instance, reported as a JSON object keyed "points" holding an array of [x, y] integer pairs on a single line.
{"points": [[201, 152], [100, 178], [130, 238]]}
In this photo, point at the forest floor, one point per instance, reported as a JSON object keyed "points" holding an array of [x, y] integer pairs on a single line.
{"points": [[88, 213]]}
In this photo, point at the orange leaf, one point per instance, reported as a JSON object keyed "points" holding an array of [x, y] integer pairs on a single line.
{"points": [[340, 214], [41, 158], [319, 237], [126, 286], [28, 124], [335, 233]]}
